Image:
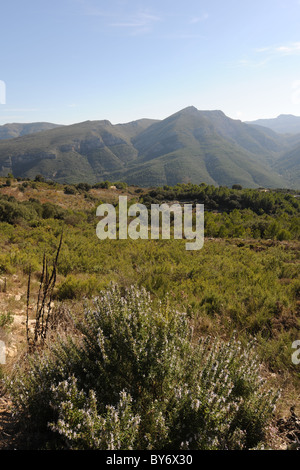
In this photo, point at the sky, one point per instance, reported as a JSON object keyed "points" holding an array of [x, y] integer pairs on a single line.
{"points": [[68, 61]]}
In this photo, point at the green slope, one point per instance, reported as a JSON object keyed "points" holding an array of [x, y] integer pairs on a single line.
{"points": [[288, 165], [190, 145], [80, 152], [205, 146]]}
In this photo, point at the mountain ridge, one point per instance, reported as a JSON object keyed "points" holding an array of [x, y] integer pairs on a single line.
{"points": [[190, 145], [14, 130], [283, 124]]}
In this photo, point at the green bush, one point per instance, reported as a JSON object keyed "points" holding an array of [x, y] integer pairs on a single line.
{"points": [[138, 380], [6, 319], [74, 288], [52, 211], [103, 185], [12, 212], [70, 190]]}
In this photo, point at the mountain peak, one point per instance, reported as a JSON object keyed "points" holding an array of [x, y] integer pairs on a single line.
{"points": [[193, 111], [189, 109]]}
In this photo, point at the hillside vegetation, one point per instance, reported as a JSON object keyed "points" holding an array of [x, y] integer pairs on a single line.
{"points": [[126, 303]]}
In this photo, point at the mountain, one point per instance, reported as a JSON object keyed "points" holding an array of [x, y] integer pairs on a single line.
{"points": [[88, 151], [288, 165], [206, 146], [11, 131], [283, 124], [189, 146]]}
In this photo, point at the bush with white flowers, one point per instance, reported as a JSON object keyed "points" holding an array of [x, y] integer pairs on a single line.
{"points": [[136, 378]]}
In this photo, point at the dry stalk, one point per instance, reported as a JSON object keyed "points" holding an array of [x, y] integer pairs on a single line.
{"points": [[44, 309]]}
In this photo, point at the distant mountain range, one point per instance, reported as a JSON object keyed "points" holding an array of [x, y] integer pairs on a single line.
{"points": [[10, 131], [284, 124], [189, 146]]}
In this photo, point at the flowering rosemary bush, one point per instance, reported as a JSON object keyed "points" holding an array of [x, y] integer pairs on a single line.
{"points": [[137, 379]]}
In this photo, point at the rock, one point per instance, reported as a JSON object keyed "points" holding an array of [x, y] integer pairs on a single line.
{"points": [[11, 351]]}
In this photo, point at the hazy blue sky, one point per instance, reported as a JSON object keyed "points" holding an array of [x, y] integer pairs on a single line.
{"points": [[68, 61]]}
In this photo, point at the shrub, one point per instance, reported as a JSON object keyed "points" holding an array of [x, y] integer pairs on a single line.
{"points": [[52, 211], [70, 190], [121, 185], [39, 178], [138, 380], [13, 212], [6, 319], [103, 185], [74, 288], [83, 186]]}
